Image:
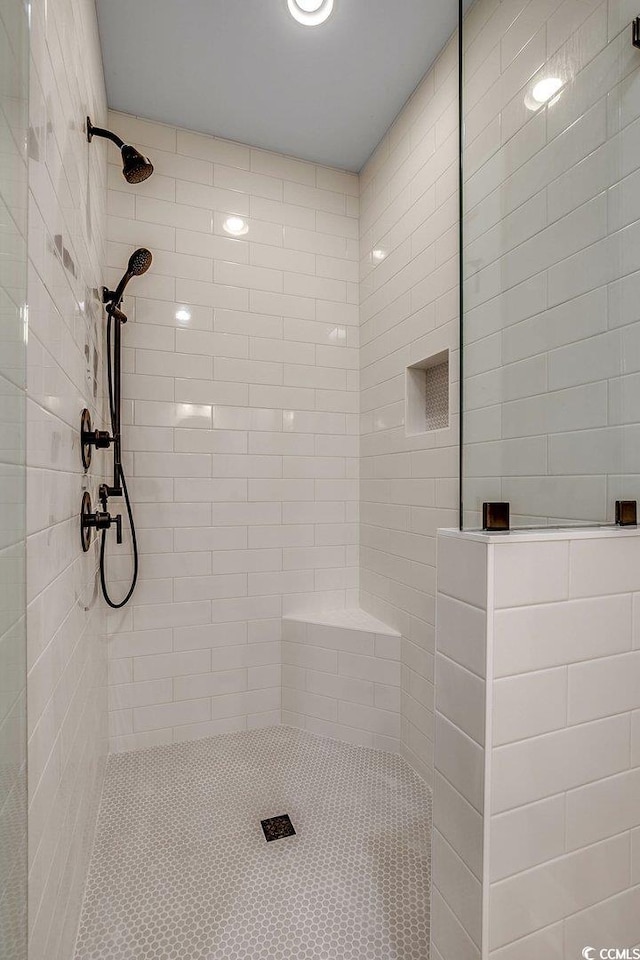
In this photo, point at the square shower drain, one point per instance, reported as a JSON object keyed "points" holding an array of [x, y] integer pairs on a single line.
{"points": [[277, 828]]}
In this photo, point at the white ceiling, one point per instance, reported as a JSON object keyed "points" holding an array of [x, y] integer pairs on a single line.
{"points": [[246, 70]]}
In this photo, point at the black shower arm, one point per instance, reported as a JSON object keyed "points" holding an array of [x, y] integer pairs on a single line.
{"points": [[100, 132]]}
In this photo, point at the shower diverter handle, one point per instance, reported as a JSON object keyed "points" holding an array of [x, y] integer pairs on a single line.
{"points": [[104, 521], [100, 520]]}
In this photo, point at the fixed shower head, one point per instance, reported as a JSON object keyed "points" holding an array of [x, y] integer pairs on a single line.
{"points": [[135, 167], [139, 262]]}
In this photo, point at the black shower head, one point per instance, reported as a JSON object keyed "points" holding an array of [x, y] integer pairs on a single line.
{"points": [[139, 262], [135, 167]]}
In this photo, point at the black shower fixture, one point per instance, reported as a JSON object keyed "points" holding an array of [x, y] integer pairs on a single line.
{"points": [[636, 32], [135, 167], [102, 520], [139, 262], [90, 438]]}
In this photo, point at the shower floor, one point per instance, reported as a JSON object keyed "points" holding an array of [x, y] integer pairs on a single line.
{"points": [[181, 868]]}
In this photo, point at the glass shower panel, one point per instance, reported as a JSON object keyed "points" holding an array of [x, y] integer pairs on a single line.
{"points": [[551, 260], [13, 269]]}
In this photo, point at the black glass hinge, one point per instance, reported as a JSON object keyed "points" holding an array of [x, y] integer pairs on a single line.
{"points": [[636, 32], [496, 517], [627, 513]]}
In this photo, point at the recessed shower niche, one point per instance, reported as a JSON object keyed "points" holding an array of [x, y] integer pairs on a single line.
{"points": [[427, 395]]}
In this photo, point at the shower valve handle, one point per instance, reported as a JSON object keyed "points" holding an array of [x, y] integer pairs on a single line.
{"points": [[90, 438], [104, 494], [100, 520], [98, 438], [104, 521]]}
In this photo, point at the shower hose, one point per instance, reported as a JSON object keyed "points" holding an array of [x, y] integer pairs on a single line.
{"points": [[115, 427]]}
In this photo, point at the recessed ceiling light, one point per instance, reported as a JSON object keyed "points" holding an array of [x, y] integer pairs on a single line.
{"points": [[183, 315], [310, 12], [378, 255], [236, 226], [545, 91]]}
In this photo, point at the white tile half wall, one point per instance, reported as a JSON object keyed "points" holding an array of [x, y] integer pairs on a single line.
{"points": [[241, 401], [537, 753]]}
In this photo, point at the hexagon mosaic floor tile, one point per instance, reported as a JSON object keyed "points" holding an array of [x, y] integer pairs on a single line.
{"points": [[181, 869]]}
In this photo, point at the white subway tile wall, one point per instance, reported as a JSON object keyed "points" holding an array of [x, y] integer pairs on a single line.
{"points": [[409, 313], [341, 678], [67, 662], [552, 268], [14, 91], [241, 401], [562, 758]]}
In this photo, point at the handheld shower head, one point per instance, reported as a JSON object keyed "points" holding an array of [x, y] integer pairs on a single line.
{"points": [[139, 262], [135, 167]]}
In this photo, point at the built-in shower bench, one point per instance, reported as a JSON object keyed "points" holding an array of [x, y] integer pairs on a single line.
{"points": [[341, 676]]}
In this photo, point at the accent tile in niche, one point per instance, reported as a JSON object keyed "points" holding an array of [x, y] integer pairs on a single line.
{"points": [[181, 863]]}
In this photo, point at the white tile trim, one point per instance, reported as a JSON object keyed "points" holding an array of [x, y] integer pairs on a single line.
{"points": [[347, 619], [532, 536]]}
